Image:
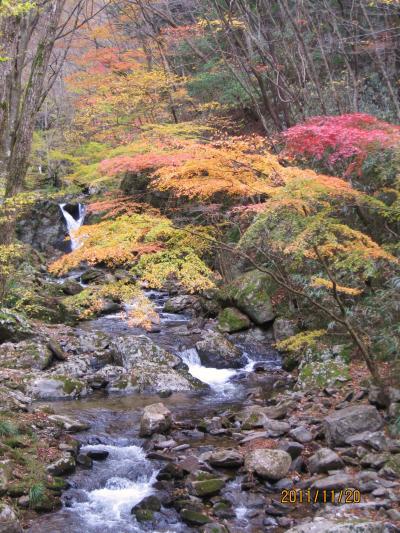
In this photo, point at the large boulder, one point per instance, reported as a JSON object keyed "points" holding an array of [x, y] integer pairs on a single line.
{"points": [[342, 424], [28, 354], [231, 320], [216, 351], [323, 525], [268, 464], [152, 368], [251, 293], [13, 327], [156, 418]]}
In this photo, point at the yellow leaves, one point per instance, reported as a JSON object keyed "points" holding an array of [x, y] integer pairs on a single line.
{"points": [[301, 341], [321, 282]]}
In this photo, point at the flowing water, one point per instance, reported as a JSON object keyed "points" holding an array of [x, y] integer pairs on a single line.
{"points": [[73, 224], [100, 499]]}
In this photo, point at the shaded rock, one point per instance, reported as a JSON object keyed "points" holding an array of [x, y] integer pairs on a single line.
{"points": [[69, 424], [64, 465], [98, 455], [294, 449], [269, 464], [13, 327], [194, 518], [342, 424], [156, 418], [8, 520], [373, 439], [214, 528], [226, 459], [301, 434], [284, 328], [84, 460], [56, 350], [251, 293], [144, 511], [93, 275], [335, 482], [322, 525], [217, 351], [231, 320], [323, 460], [280, 410], [378, 397], [71, 287], [184, 302]]}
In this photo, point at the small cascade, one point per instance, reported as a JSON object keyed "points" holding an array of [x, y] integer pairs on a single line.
{"points": [[73, 224]]}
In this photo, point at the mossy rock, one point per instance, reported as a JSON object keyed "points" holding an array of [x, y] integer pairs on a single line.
{"points": [[317, 375], [251, 293], [208, 487], [143, 515], [193, 518], [231, 320], [57, 484], [13, 326]]}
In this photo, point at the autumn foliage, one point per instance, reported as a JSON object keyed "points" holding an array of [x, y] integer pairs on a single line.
{"points": [[347, 139]]}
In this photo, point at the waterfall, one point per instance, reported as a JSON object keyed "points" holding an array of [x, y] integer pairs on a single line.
{"points": [[73, 224]]}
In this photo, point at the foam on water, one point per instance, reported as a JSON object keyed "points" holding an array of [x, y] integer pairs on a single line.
{"points": [[110, 506]]}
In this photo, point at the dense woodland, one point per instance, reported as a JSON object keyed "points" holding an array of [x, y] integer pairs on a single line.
{"points": [[208, 139]]}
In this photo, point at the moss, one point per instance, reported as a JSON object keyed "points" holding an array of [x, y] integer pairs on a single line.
{"points": [[208, 487], [231, 320], [194, 518], [70, 385], [318, 375], [143, 515]]}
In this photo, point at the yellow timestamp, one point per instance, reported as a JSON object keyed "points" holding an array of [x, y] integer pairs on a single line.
{"points": [[294, 496]]}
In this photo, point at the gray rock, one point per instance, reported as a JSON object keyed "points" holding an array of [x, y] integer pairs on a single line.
{"points": [[276, 428], [183, 302], [231, 320], [323, 525], [284, 328], [378, 397], [324, 460], [268, 464], [226, 459], [8, 520], [301, 434], [341, 425], [336, 482], [294, 449], [13, 327], [30, 354], [69, 424], [56, 388], [156, 418], [373, 439], [217, 351], [251, 293], [64, 465], [71, 287]]}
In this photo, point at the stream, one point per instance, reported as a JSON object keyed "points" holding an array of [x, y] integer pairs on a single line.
{"points": [[100, 499]]}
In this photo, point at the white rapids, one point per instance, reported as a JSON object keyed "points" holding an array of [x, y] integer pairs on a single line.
{"points": [[73, 224]]}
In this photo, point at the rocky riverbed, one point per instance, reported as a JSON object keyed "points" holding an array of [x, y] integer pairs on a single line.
{"points": [[186, 428]]}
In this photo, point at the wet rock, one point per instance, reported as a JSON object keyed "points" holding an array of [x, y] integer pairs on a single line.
{"points": [[251, 294], [342, 424], [144, 511], [64, 465], [171, 471], [231, 320], [269, 464], [13, 327], [156, 418], [214, 528], [301, 434], [98, 455], [69, 424], [184, 302], [194, 518], [324, 460], [8, 520], [226, 459], [84, 460], [322, 525], [217, 351]]}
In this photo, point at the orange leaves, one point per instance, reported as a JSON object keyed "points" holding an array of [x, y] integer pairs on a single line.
{"points": [[142, 162], [321, 282]]}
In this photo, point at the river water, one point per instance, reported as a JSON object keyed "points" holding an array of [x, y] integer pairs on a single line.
{"points": [[100, 499]]}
